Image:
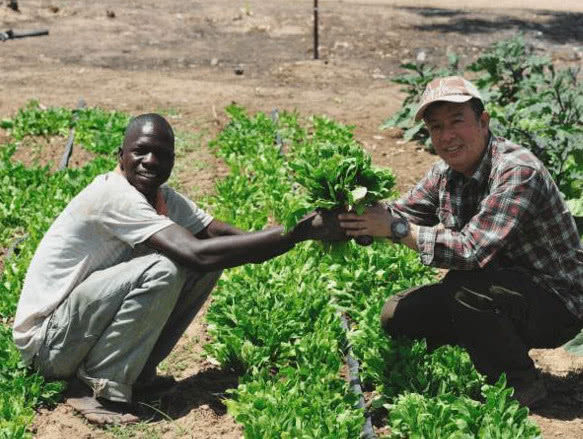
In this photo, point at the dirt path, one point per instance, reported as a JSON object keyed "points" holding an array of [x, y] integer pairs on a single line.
{"points": [[180, 58]]}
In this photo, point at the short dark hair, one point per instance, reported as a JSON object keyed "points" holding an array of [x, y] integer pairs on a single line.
{"points": [[477, 107], [154, 119], [476, 104]]}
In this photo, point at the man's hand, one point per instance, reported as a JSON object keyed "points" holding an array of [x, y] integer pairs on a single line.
{"points": [[375, 221], [321, 225]]}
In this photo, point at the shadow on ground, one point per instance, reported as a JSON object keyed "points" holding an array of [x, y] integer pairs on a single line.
{"points": [[558, 27], [207, 388], [565, 400]]}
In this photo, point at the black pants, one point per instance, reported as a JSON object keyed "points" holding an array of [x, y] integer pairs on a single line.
{"points": [[496, 315]]}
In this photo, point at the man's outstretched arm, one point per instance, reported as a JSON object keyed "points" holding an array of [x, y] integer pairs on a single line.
{"points": [[218, 228], [226, 251]]}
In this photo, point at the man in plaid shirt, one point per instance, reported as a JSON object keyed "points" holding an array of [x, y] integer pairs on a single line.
{"points": [[489, 212]]}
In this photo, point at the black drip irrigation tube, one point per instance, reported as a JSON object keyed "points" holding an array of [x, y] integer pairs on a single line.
{"points": [[275, 119], [69, 145], [354, 381], [13, 248], [351, 362]]}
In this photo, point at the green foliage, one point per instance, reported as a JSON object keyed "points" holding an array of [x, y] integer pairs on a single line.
{"points": [[306, 398], [277, 323], [251, 195], [543, 111], [508, 68], [414, 84], [448, 369], [264, 328], [336, 172], [20, 390], [30, 199], [415, 415], [576, 206], [365, 277], [308, 401], [34, 120], [530, 103], [97, 130]]}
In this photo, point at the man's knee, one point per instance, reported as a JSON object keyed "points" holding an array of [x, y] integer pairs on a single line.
{"points": [[388, 314], [167, 271], [166, 265]]}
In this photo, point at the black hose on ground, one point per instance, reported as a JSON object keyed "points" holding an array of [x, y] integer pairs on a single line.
{"points": [[69, 145], [354, 381], [278, 140]]}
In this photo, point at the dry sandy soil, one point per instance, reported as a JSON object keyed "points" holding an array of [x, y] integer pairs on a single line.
{"points": [[179, 58]]}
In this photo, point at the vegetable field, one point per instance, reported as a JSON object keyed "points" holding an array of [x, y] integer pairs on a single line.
{"points": [[278, 353], [278, 325]]}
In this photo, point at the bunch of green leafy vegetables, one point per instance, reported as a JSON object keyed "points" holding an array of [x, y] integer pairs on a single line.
{"points": [[333, 172], [339, 176]]}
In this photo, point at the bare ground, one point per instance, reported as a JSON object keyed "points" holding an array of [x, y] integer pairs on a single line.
{"points": [[179, 58]]}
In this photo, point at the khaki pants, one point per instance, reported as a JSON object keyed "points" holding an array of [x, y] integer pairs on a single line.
{"points": [[120, 321], [497, 315]]}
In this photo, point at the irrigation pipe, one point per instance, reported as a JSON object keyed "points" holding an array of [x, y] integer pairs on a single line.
{"points": [[275, 119], [69, 145], [354, 381]]}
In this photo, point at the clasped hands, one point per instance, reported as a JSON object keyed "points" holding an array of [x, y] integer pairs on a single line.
{"points": [[340, 225]]}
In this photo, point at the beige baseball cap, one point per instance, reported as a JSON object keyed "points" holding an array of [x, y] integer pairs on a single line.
{"points": [[448, 89]]}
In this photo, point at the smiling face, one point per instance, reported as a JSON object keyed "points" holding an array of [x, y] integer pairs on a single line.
{"points": [[458, 135], [147, 156]]}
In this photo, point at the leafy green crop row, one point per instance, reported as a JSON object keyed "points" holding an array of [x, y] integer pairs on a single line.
{"points": [[30, 198], [277, 323], [98, 130]]}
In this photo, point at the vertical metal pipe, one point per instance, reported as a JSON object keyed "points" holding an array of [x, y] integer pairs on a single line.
{"points": [[316, 55]]}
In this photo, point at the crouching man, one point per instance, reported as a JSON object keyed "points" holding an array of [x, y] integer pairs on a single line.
{"points": [[122, 272], [489, 212]]}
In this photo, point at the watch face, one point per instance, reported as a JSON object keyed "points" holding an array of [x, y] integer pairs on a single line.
{"points": [[399, 228]]}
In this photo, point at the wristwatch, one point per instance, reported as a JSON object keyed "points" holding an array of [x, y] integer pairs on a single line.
{"points": [[399, 228]]}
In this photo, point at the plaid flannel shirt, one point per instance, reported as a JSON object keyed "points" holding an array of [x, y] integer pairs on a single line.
{"points": [[509, 214]]}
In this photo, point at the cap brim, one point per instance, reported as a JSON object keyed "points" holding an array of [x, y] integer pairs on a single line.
{"points": [[451, 98]]}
